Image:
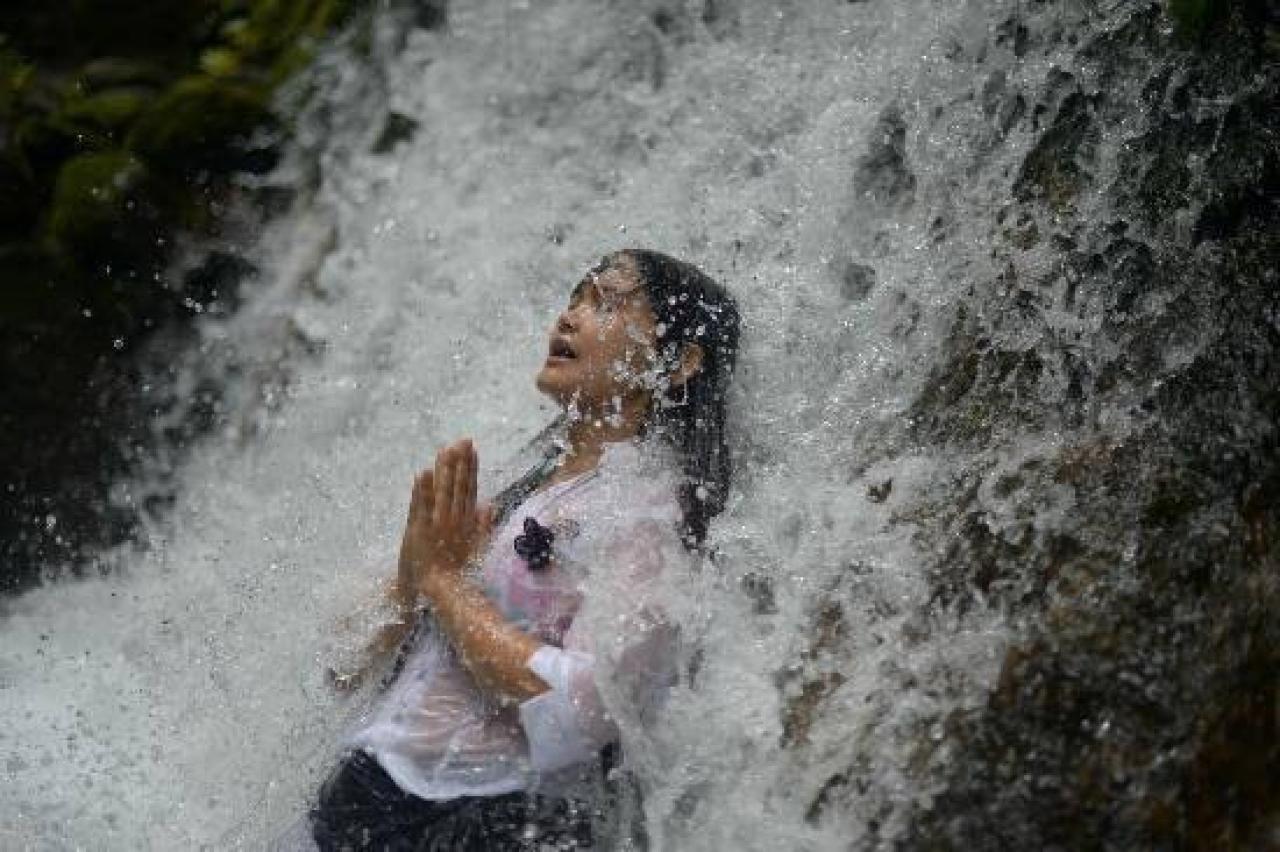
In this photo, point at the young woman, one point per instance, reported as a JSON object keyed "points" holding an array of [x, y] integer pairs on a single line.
{"points": [[539, 623]]}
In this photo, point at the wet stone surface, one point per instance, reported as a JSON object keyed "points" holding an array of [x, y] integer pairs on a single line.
{"points": [[1138, 710]]}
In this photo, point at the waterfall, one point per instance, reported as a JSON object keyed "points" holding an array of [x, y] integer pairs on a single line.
{"points": [[954, 329]]}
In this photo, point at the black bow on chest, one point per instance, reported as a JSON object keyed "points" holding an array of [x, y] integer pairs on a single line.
{"points": [[534, 546]]}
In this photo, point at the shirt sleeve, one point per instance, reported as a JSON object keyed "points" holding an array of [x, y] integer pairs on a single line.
{"points": [[620, 650]]}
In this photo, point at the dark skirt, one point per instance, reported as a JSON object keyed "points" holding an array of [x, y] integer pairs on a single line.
{"points": [[361, 808]]}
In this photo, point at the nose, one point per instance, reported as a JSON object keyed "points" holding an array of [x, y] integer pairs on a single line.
{"points": [[566, 322]]}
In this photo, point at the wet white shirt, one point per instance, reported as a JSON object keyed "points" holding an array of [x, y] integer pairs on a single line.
{"points": [[595, 607]]}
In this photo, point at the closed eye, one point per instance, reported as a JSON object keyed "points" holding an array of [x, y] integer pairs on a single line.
{"points": [[580, 291]]}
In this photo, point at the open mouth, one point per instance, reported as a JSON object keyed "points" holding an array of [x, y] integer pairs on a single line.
{"points": [[560, 349]]}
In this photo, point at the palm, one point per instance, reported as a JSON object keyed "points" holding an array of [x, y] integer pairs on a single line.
{"points": [[445, 527]]}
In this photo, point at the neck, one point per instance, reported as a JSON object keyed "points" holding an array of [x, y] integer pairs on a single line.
{"points": [[590, 431]]}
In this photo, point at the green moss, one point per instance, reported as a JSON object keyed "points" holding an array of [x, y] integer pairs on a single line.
{"points": [[111, 72], [89, 187], [99, 204], [221, 62], [103, 156], [278, 36], [318, 19], [109, 110], [275, 25], [194, 124]]}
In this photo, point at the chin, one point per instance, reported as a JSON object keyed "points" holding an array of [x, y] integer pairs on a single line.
{"points": [[551, 385]]}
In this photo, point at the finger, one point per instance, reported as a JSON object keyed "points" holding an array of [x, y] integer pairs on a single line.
{"points": [[424, 495], [415, 497], [415, 502], [443, 488], [473, 476], [461, 459]]}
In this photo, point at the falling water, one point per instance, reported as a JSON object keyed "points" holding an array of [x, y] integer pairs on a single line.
{"points": [[852, 171]]}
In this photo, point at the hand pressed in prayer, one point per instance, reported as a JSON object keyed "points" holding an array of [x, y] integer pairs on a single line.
{"points": [[445, 528]]}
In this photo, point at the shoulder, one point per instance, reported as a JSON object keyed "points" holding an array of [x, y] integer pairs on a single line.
{"points": [[630, 517], [636, 482], [629, 497]]}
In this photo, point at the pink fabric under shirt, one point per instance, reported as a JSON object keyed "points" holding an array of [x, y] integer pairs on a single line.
{"points": [[595, 608]]}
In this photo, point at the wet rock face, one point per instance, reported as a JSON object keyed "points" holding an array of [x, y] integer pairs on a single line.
{"points": [[1138, 707], [1053, 170], [883, 175]]}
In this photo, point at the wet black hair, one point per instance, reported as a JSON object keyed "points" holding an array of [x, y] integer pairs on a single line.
{"points": [[692, 308], [689, 307]]}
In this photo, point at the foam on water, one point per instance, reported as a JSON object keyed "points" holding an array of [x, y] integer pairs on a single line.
{"points": [[182, 701]]}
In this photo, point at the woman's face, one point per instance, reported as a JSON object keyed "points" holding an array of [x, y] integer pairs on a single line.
{"points": [[600, 357]]}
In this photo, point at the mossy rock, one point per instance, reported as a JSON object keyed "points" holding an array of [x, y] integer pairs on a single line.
{"points": [[104, 212], [1055, 171], [111, 72], [111, 110], [222, 62], [45, 142], [197, 124], [273, 25]]}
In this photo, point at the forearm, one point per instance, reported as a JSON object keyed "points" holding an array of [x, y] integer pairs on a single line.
{"points": [[392, 632], [397, 619], [495, 651]]}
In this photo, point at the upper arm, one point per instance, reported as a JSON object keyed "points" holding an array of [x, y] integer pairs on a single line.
{"points": [[624, 626], [617, 658]]}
